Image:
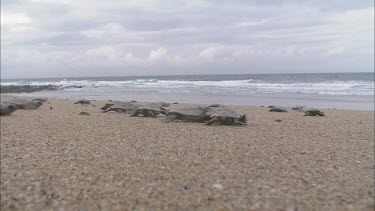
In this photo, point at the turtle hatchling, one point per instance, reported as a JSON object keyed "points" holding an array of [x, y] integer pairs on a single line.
{"points": [[298, 108], [83, 102], [226, 116], [278, 109], [7, 109], [314, 112], [25, 104], [126, 108], [149, 111], [190, 114]]}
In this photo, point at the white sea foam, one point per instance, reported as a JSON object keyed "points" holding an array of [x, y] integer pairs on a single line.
{"points": [[250, 86]]}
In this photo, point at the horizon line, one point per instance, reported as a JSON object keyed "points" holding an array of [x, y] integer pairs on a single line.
{"points": [[180, 75]]}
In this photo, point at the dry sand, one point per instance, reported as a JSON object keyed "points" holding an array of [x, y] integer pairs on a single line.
{"points": [[59, 159]]}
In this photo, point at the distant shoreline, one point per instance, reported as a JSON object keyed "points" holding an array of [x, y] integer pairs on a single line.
{"points": [[177, 75], [350, 103], [26, 89], [353, 91]]}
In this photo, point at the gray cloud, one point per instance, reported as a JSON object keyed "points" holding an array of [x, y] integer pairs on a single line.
{"points": [[50, 38]]}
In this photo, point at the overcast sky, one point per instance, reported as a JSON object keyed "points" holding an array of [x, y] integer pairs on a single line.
{"points": [[62, 38]]}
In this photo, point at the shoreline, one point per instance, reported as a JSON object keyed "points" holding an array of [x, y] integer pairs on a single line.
{"points": [[149, 76], [365, 103], [26, 89]]}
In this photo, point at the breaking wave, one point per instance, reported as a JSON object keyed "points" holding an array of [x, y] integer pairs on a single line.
{"points": [[252, 86]]}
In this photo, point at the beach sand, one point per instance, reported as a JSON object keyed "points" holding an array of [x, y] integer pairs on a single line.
{"points": [[55, 158]]}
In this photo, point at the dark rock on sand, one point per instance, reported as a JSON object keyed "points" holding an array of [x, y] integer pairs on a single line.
{"points": [[74, 86], [7, 109], [26, 88]]}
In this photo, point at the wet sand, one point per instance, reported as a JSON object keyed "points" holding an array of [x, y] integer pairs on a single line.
{"points": [[347, 102], [55, 158], [26, 89]]}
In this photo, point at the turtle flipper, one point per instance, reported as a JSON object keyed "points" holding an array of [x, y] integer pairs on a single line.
{"points": [[237, 122], [148, 114], [136, 113], [210, 122], [169, 118], [164, 111], [155, 114], [243, 119]]}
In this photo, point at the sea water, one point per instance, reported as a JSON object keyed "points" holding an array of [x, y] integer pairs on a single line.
{"points": [[322, 90]]}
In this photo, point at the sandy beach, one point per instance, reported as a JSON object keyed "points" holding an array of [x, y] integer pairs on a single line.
{"points": [[56, 158]]}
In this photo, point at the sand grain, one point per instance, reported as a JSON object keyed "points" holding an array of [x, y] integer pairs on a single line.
{"points": [[59, 159]]}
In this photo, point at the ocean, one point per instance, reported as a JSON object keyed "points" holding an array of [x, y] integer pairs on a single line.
{"points": [[321, 90]]}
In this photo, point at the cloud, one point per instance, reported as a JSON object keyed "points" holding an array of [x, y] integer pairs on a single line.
{"points": [[53, 1], [251, 23], [208, 53], [158, 54], [335, 51], [49, 37], [103, 31], [112, 56], [14, 18], [355, 16], [104, 51]]}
